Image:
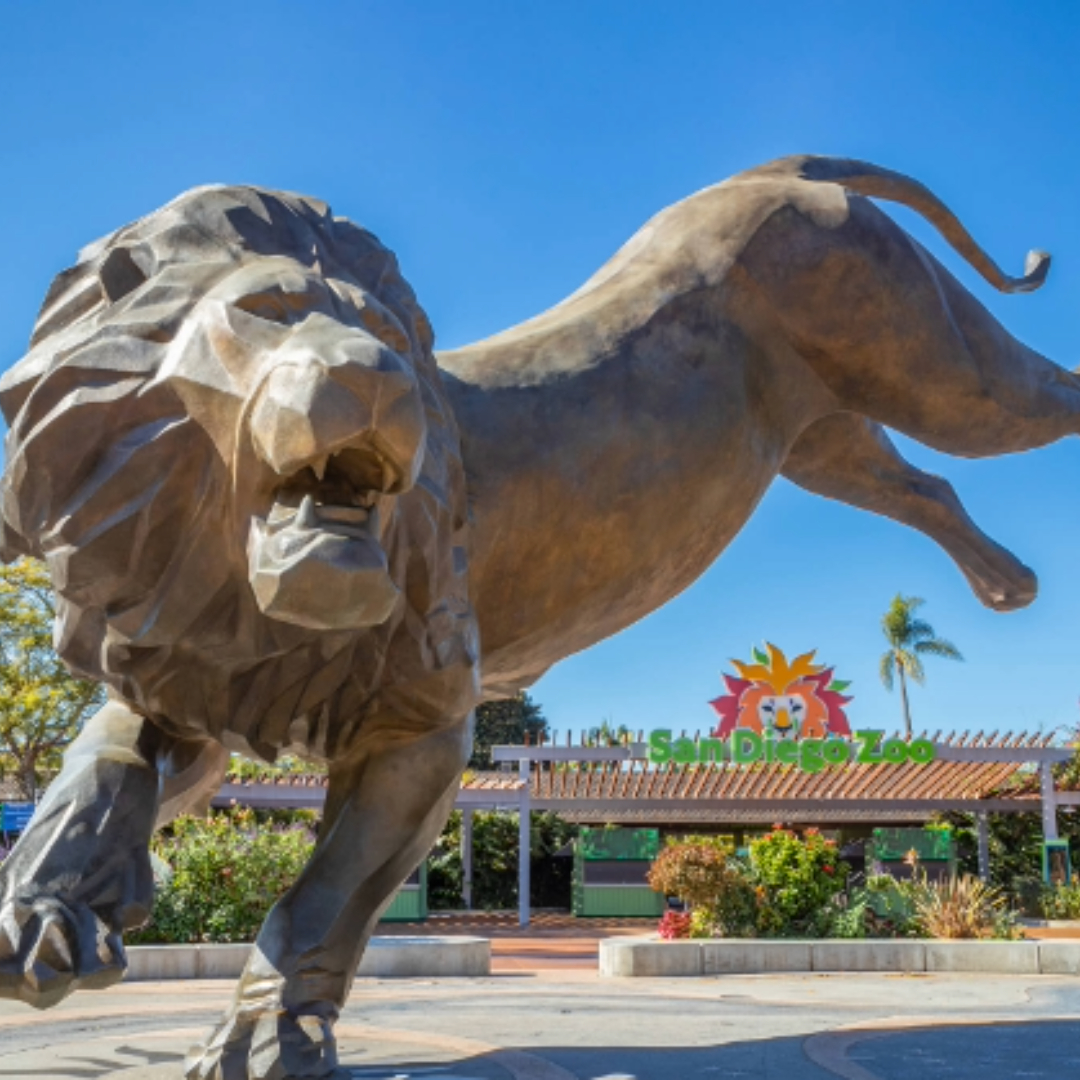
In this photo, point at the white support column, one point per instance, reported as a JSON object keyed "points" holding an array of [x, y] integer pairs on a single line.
{"points": [[1049, 801], [524, 842], [467, 857], [982, 825]]}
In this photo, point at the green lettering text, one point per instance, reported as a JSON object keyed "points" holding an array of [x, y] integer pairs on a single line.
{"points": [[660, 746], [746, 747]]}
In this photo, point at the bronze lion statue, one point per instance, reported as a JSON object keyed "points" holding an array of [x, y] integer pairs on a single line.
{"points": [[277, 522]]}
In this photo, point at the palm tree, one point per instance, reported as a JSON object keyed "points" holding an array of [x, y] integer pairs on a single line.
{"points": [[910, 639]]}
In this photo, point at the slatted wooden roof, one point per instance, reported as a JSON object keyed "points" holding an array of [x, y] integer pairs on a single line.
{"points": [[616, 784], [968, 775], [938, 780]]}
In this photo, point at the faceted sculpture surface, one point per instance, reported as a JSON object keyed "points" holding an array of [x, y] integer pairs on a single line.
{"points": [[277, 523]]}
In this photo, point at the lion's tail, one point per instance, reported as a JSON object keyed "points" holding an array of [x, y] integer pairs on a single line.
{"points": [[866, 179]]}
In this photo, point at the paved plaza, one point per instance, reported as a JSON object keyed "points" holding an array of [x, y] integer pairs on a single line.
{"points": [[570, 1025]]}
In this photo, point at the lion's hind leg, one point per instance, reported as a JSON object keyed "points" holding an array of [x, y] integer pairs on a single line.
{"points": [[851, 459], [893, 335]]}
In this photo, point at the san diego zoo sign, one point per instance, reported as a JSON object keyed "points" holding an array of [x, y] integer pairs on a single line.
{"points": [[787, 713]]}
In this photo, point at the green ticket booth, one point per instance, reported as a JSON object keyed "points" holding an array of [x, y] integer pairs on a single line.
{"points": [[411, 902], [610, 868], [934, 849]]}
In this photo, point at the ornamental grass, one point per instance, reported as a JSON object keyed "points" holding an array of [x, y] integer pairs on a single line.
{"points": [[961, 907]]}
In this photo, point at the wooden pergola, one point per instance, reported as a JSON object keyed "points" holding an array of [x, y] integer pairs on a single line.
{"points": [[977, 774]]}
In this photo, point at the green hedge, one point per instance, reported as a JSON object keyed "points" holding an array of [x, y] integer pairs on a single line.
{"points": [[218, 877], [495, 863]]}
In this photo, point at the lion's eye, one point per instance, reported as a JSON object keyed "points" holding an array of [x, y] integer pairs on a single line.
{"points": [[284, 302], [266, 306]]}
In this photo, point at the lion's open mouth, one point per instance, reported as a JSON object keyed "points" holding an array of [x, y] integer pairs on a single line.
{"points": [[337, 495], [317, 559]]}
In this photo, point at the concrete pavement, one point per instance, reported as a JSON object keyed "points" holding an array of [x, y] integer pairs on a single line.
{"points": [[570, 1025]]}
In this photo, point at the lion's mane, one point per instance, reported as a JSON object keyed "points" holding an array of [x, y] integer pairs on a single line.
{"points": [[111, 481]]}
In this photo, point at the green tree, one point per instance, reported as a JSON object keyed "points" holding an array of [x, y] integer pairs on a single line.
{"points": [[910, 639], [512, 722], [42, 706]]}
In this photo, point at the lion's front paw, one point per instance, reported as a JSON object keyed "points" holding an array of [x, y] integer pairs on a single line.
{"points": [[49, 948], [267, 1045]]}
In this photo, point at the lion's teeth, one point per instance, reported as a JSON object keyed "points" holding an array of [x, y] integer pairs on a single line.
{"points": [[305, 516], [319, 467]]}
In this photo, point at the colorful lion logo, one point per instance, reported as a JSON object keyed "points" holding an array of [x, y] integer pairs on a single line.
{"points": [[800, 700]]}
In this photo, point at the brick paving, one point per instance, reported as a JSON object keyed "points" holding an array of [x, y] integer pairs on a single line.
{"points": [[558, 941], [552, 941]]}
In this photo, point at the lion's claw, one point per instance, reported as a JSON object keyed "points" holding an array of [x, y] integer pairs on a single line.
{"points": [[49, 949], [267, 1045]]}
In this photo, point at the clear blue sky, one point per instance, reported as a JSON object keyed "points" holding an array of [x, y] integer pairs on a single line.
{"points": [[505, 150]]}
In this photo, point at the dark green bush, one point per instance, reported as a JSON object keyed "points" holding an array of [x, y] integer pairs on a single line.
{"points": [[495, 863], [222, 875], [1061, 901], [218, 877]]}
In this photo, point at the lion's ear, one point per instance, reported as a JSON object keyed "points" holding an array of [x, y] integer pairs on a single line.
{"points": [[80, 290], [120, 274]]}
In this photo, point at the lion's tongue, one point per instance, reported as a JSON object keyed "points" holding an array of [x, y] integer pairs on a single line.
{"points": [[341, 515], [352, 518]]}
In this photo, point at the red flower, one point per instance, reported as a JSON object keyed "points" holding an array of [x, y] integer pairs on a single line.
{"points": [[828, 869], [675, 925]]}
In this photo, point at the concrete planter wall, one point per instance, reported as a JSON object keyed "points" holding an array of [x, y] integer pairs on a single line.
{"points": [[650, 957], [386, 957]]}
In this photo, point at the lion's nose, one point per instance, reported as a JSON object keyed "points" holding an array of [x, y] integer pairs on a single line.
{"points": [[310, 408]]}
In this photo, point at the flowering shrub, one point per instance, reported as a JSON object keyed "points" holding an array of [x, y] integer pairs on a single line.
{"points": [[702, 873], [796, 887], [675, 925], [694, 869], [799, 882], [218, 877]]}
